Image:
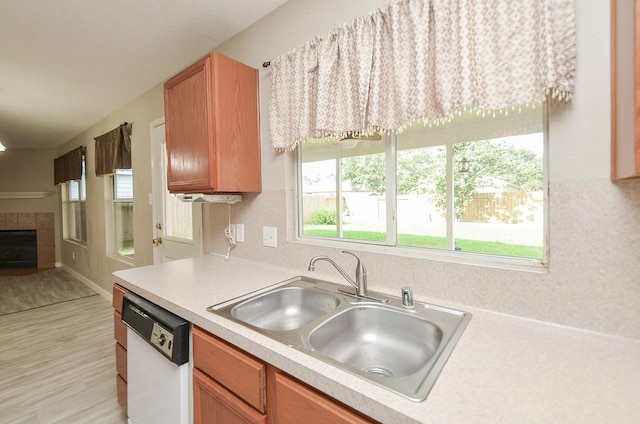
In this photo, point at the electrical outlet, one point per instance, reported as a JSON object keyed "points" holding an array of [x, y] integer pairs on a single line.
{"points": [[270, 236], [240, 233]]}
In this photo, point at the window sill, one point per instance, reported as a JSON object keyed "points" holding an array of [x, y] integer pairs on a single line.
{"points": [[461, 258], [123, 259], [76, 243]]}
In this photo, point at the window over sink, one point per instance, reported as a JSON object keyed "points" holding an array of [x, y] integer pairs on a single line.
{"points": [[473, 188]]}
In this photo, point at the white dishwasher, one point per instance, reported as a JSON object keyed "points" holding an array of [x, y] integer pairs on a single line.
{"points": [[158, 377]]}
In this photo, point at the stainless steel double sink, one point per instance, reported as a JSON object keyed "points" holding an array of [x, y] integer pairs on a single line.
{"points": [[375, 337]]}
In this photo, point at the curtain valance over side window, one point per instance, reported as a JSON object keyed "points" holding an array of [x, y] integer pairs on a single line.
{"points": [[68, 167], [113, 150], [423, 60]]}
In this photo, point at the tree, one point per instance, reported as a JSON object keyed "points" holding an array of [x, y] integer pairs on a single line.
{"points": [[489, 158], [366, 173], [422, 171]]}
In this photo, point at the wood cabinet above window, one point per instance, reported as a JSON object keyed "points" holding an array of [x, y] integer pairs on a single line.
{"points": [[212, 127], [625, 89]]}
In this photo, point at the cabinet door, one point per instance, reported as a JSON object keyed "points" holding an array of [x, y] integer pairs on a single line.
{"points": [[236, 117], [294, 403], [119, 329], [121, 392], [188, 124], [625, 89], [118, 295], [214, 404]]}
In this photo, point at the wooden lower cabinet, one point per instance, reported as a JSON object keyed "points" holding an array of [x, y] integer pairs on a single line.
{"points": [[120, 334], [121, 392], [292, 402], [242, 374], [214, 404], [232, 387]]}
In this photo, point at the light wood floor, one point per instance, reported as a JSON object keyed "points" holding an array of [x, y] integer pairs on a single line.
{"points": [[20, 291], [57, 364]]}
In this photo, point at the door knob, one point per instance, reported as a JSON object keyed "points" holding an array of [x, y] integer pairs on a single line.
{"points": [[157, 241]]}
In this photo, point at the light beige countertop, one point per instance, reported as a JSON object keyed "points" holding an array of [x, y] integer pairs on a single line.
{"points": [[504, 369]]}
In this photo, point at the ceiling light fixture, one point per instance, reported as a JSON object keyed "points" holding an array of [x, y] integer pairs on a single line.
{"points": [[2, 148], [349, 142]]}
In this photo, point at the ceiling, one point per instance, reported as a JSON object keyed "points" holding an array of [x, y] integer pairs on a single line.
{"points": [[66, 64]]}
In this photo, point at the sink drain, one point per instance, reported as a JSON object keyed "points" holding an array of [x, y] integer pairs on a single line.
{"points": [[379, 371]]}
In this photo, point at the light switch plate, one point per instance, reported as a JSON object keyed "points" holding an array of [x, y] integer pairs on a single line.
{"points": [[270, 236]]}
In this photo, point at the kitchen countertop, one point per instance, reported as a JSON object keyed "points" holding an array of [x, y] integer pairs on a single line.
{"points": [[504, 369]]}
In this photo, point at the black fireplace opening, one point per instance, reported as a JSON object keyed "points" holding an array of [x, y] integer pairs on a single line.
{"points": [[18, 249]]}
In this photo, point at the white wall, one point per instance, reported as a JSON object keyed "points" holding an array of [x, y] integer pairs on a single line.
{"points": [[92, 261], [593, 279]]}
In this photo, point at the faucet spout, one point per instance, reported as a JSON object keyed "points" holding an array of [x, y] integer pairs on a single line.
{"points": [[360, 282]]}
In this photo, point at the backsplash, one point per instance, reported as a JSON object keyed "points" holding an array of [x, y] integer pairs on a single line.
{"points": [[594, 268]]}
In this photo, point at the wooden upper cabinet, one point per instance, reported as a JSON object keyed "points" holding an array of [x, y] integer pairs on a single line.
{"points": [[212, 126], [625, 89]]}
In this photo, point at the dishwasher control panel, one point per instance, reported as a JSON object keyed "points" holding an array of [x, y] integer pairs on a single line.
{"points": [[165, 331], [162, 339]]}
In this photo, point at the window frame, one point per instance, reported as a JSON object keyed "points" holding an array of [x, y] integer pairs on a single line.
{"points": [[114, 202], [451, 256], [81, 203]]}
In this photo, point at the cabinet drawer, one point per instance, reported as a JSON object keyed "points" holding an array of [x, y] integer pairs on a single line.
{"points": [[234, 369], [213, 403], [121, 361], [118, 294], [296, 403], [119, 329]]}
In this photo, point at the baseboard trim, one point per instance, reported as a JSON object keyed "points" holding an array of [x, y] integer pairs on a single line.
{"points": [[93, 286]]}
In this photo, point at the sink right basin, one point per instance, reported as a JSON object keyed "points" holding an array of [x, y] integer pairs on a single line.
{"points": [[377, 340]]}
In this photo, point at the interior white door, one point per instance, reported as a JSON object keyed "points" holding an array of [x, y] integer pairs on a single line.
{"points": [[177, 226]]}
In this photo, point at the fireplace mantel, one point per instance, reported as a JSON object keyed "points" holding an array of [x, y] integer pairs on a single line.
{"points": [[24, 194]]}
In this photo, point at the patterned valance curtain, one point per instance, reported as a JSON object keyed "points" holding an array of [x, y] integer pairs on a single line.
{"points": [[113, 150], [423, 60], [68, 167]]}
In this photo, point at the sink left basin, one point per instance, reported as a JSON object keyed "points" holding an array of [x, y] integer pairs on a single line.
{"points": [[285, 308]]}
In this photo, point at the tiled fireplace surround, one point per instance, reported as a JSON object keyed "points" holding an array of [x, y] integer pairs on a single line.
{"points": [[43, 224]]}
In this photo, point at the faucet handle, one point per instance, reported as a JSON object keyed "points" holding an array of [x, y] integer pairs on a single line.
{"points": [[360, 269], [361, 275], [348, 252]]}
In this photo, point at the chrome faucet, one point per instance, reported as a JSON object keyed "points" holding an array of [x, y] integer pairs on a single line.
{"points": [[361, 273]]}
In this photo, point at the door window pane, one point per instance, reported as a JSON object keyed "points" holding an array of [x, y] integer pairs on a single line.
{"points": [[178, 217]]}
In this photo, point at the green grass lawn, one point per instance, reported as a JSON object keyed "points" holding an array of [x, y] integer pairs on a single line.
{"points": [[412, 240]]}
